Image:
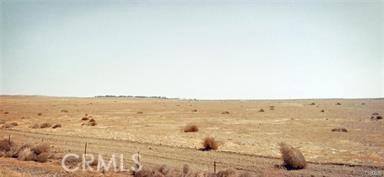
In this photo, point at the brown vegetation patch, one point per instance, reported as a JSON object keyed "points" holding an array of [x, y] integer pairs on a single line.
{"points": [[45, 125], [39, 114], [194, 110], [6, 112], [56, 126], [339, 130], [293, 159], [191, 128], [261, 110], [225, 112], [139, 112], [209, 143], [272, 108], [64, 111], [338, 103]]}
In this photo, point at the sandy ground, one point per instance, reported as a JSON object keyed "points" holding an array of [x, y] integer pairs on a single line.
{"points": [[246, 135]]}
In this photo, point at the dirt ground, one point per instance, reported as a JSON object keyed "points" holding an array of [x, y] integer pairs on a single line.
{"points": [[248, 137]]}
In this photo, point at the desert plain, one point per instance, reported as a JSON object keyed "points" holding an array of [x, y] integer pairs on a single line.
{"points": [[248, 133]]}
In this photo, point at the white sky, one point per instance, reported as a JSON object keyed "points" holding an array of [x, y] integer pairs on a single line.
{"points": [[211, 49]]}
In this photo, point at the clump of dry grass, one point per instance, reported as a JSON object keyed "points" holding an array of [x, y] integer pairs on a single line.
{"points": [[209, 143], [292, 157], [34, 126], [91, 122], [5, 145], [38, 153], [322, 110], [261, 110], [10, 125], [339, 130], [56, 126], [376, 116], [45, 125], [191, 128], [139, 112], [225, 112], [64, 111], [39, 114], [338, 103], [227, 173], [85, 118], [194, 110], [6, 112], [313, 103], [271, 108]]}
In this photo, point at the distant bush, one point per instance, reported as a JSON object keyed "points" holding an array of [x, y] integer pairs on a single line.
{"points": [[194, 110], [45, 125], [313, 103], [272, 108], [64, 111], [292, 157], [338, 103], [225, 112], [39, 114], [139, 112], [261, 110], [209, 143], [339, 130], [191, 128], [56, 126]]}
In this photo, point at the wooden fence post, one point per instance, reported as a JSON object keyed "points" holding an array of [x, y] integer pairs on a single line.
{"points": [[214, 167], [85, 148]]}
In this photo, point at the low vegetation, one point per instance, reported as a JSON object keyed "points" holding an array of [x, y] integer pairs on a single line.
{"points": [[209, 143], [376, 116], [9, 125], [261, 110], [39, 152], [339, 130], [191, 128], [292, 158], [185, 171], [225, 112]]}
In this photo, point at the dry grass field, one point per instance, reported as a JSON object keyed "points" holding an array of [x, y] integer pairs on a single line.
{"points": [[337, 137]]}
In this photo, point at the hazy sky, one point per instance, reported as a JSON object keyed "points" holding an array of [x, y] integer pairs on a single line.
{"points": [[211, 49]]}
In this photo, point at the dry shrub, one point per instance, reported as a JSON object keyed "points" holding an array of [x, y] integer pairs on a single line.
{"points": [[56, 126], [225, 112], [85, 118], [34, 126], [338, 103], [41, 148], [379, 117], [191, 128], [148, 173], [209, 143], [246, 174], [272, 108], [43, 157], [5, 145], [45, 125], [39, 114], [10, 125], [227, 173], [261, 110], [375, 114], [185, 169], [292, 157], [322, 110], [26, 155], [6, 112], [339, 130], [194, 110], [139, 112], [64, 110], [312, 103], [14, 124]]}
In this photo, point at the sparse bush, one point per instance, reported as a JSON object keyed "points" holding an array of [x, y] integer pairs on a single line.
{"points": [[6, 112], [40, 148], [292, 157], [191, 128], [43, 157], [379, 117], [194, 110], [56, 126], [85, 118], [34, 126], [375, 113], [209, 143], [261, 110], [26, 155], [185, 168], [338, 103], [10, 125], [322, 110], [225, 112], [39, 114], [5, 145], [64, 111], [71, 161], [272, 108], [139, 112], [312, 103], [45, 125], [14, 124], [92, 123], [339, 130], [227, 173]]}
